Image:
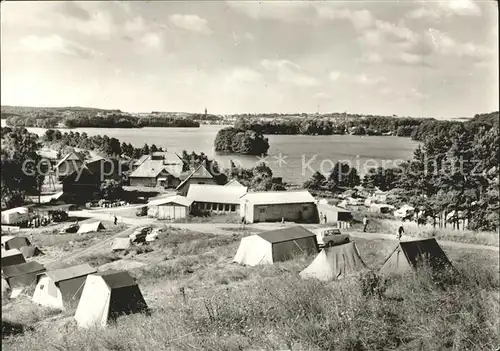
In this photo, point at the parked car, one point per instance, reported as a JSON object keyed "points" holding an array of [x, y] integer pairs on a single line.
{"points": [[331, 237], [141, 211], [70, 228], [139, 235]]}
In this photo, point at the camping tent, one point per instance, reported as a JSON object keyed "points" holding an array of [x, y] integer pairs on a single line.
{"points": [[23, 274], [335, 262], [12, 257], [105, 296], [58, 288], [14, 242], [90, 227], [275, 245], [31, 251], [5, 286], [120, 244], [408, 254]]}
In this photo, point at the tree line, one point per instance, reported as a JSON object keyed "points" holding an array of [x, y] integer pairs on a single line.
{"points": [[416, 128], [101, 143], [91, 121], [454, 171]]}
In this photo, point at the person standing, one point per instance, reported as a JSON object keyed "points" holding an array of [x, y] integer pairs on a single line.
{"points": [[365, 224], [400, 231], [320, 217], [115, 220]]}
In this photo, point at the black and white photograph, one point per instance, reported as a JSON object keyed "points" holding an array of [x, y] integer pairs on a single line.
{"points": [[250, 175]]}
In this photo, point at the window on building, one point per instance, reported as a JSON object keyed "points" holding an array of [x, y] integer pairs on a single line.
{"points": [[233, 208], [305, 208], [226, 207], [221, 207], [262, 210], [202, 206], [214, 207]]}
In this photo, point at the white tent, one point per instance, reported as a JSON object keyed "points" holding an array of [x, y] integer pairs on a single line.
{"points": [[120, 244], [334, 263], [107, 295], [58, 288], [275, 245], [90, 227]]}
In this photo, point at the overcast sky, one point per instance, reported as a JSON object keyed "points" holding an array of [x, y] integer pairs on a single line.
{"points": [[435, 59]]}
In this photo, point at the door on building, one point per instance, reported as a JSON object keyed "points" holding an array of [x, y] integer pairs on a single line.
{"points": [[262, 214]]}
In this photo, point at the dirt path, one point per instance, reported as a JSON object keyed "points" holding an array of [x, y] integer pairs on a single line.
{"points": [[222, 229], [97, 247]]}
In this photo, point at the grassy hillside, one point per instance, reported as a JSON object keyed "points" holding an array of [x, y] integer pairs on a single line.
{"points": [[230, 307]]}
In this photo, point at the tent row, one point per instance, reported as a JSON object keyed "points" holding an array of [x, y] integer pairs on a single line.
{"points": [[13, 246], [97, 296], [334, 262]]}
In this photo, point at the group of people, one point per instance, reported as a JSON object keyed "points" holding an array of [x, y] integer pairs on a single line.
{"points": [[322, 218]]}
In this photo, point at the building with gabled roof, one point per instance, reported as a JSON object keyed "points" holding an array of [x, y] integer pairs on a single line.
{"points": [[274, 206], [276, 245], [154, 172], [62, 287], [68, 164], [216, 198], [200, 175]]}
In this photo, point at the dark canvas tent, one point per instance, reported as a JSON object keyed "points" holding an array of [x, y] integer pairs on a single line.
{"points": [[107, 295], [335, 262], [61, 287], [31, 251], [23, 274], [409, 254], [276, 245], [12, 257], [15, 242]]}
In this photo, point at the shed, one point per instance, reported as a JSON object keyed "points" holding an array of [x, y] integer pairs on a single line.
{"points": [[15, 216], [23, 274], [12, 257], [276, 245], [62, 287], [14, 242], [90, 227], [273, 206], [120, 244], [335, 214], [334, 263], [173, 207], [216, 198], [106, 296], [408, 255]]}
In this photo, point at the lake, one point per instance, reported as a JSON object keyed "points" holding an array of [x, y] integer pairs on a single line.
{"points": [[293, 157]]}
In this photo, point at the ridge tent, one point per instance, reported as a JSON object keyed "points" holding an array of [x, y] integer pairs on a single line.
{"points": [[275, 245], [334, 263], [12, 257], [31, 251], [106, 296], [120, 244], [58, 288], [90, 227], [23, 274], [408, 254], [15, 242]]}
